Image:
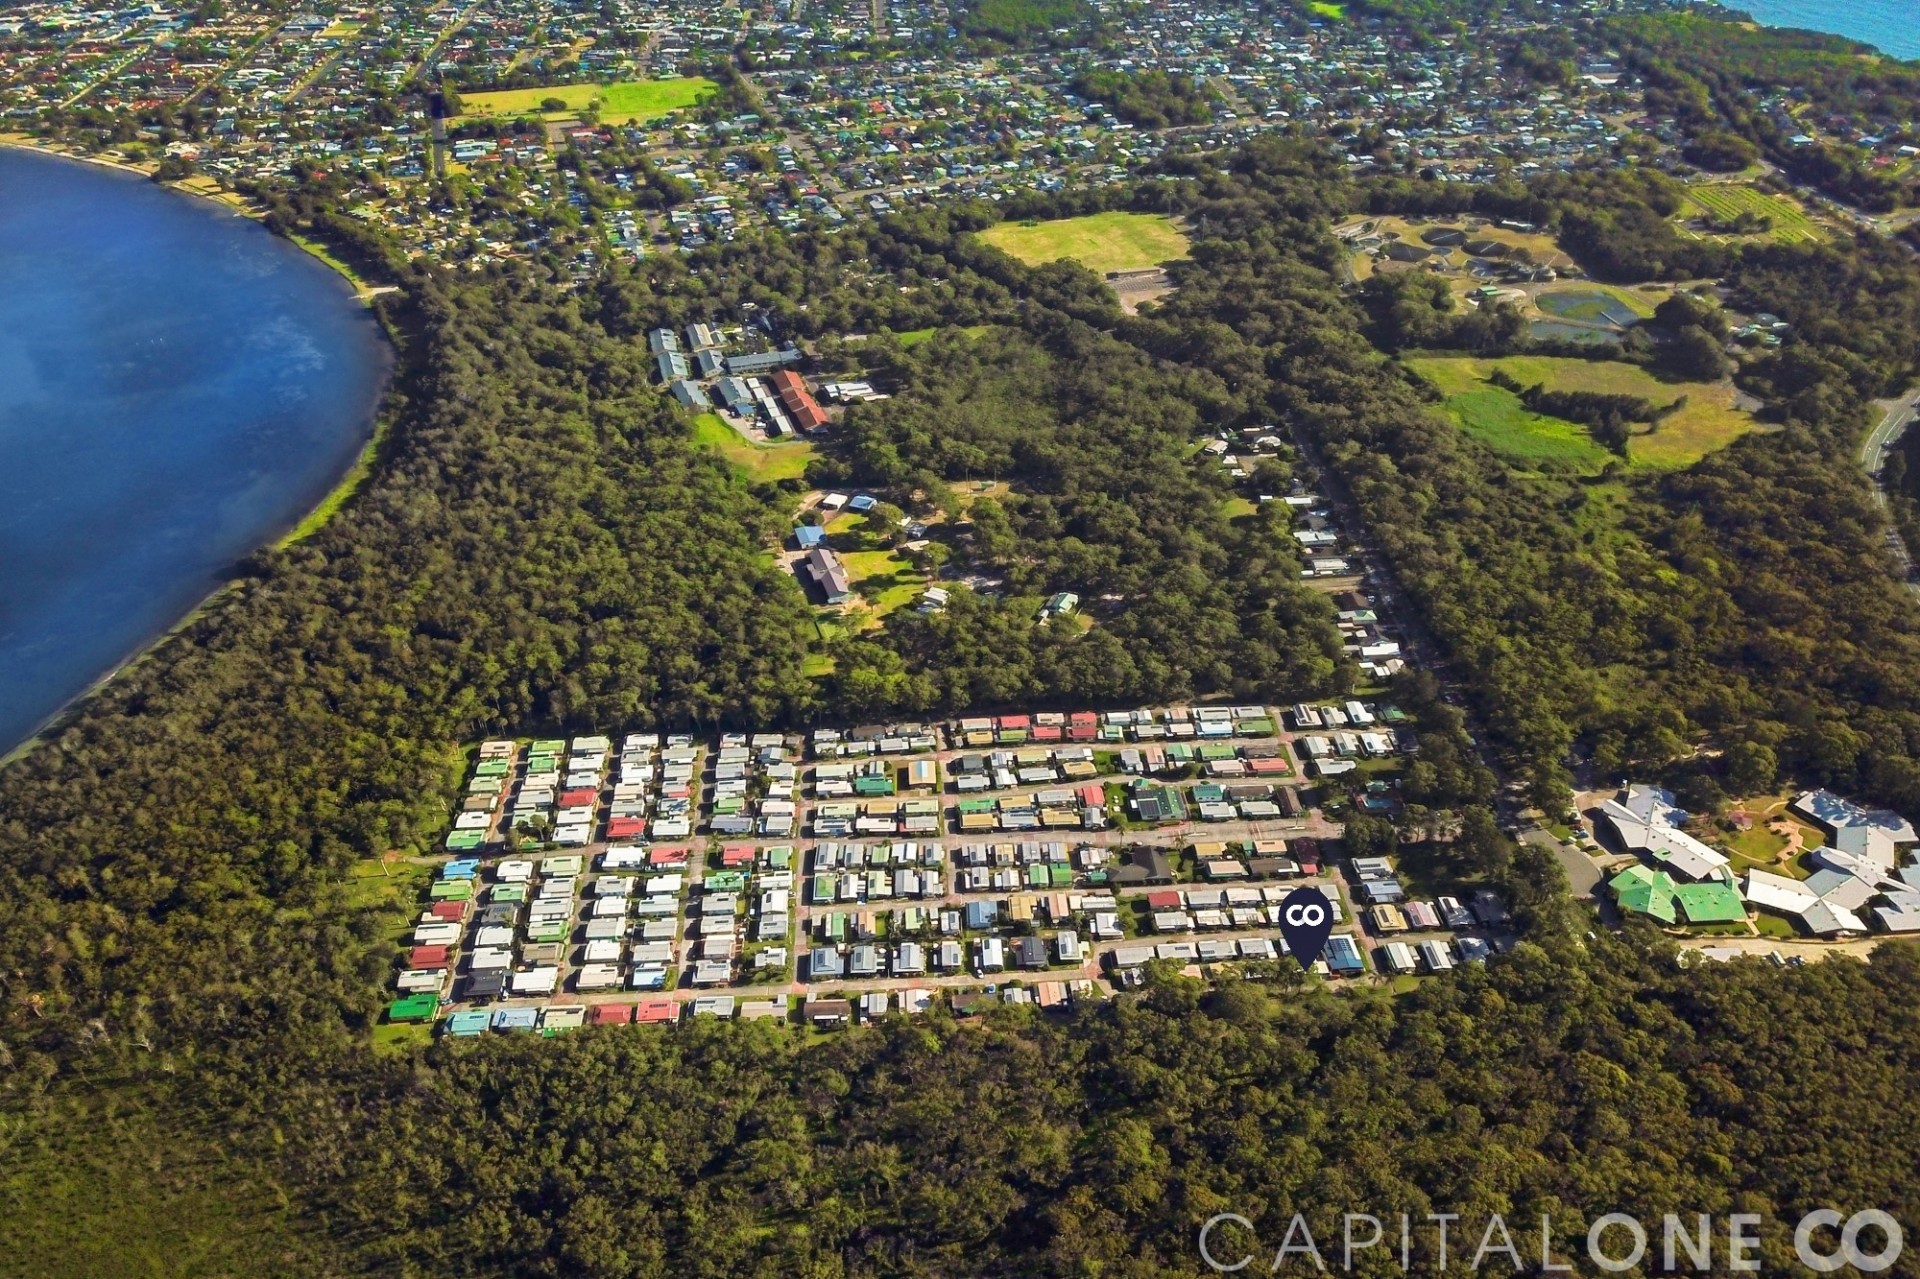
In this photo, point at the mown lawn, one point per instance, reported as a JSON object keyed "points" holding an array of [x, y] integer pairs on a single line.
{"points": [[1707, 422], [1099, 241], [884, 579], [762, 463], [1499, 420], [622, 102], [911, 338]]}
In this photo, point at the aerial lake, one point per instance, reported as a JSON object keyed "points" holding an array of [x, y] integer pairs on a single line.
{"points": [[177, 388]]}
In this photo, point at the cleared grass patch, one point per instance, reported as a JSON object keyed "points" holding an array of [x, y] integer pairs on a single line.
{"points": [[1320, 8], [1707, 422], [762, 463], [911, 338], [401, 1037], [1727, 201], [622, 102], [884, 579], [361, 288], [1499, 420], [1099, 241]]}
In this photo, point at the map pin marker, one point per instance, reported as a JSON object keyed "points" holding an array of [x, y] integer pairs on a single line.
{"points": [[1306, 920]]}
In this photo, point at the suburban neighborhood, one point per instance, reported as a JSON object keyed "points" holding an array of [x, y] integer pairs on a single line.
{"points": [[846, 873], [502, 129]]}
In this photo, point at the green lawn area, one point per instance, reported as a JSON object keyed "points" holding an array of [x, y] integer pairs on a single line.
{"points": [[762, 463], [622, 102], [1101, 242], [1758, 846], [911, 338], [1728, 200], [398, 1037], [394, 888], [360, 286], [1498, 418], [349, 484], [1321, 9], [884, 579], [1234, 507]]}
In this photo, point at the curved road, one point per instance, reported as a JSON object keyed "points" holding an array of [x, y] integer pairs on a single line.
{"points": [[1873, 456]]}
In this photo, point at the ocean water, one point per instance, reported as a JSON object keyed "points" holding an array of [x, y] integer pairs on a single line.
{"points": [[1892, 26], [177, 388]]}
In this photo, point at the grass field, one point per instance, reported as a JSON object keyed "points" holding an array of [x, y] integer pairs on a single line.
{"points": [[883, 579], [1727, 200], [1498, 418], [1321, 9], [622, 102], [1099, 241], [361, 288], [911, 338], [762, 463]]}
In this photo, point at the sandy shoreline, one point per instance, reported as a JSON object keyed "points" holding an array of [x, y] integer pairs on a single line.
{"points": [[227, 201]]}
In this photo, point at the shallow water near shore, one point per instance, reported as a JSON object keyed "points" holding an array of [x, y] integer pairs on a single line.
{"points": [[177, 387]]}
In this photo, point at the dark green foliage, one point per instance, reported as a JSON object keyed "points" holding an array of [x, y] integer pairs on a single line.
{"points": [[1109, 502], [1150, 99], [1747, 597], [1608, 418], [1413, 309], [1693, 355], [1720, 151], [1708, 72], [1016, 21], [1023, 1145], [544, 547]]}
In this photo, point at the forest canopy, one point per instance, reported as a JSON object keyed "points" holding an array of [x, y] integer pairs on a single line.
{"points": [[547, 547]]}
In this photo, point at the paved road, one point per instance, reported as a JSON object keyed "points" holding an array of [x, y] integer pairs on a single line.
{"points": [[1873, 456], [1421, 649]]}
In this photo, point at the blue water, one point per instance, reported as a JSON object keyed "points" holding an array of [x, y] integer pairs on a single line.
{"points": [[177, 388], [1892, 26]]}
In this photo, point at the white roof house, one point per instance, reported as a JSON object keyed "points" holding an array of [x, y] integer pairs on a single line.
{"points": [[1872, 834], [1823, 916], [1901, 914], [1824, 919], [1647, 821], [1777, 892]]}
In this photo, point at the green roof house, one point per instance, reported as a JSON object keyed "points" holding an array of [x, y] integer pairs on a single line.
{"points": [[1641, 891]]}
